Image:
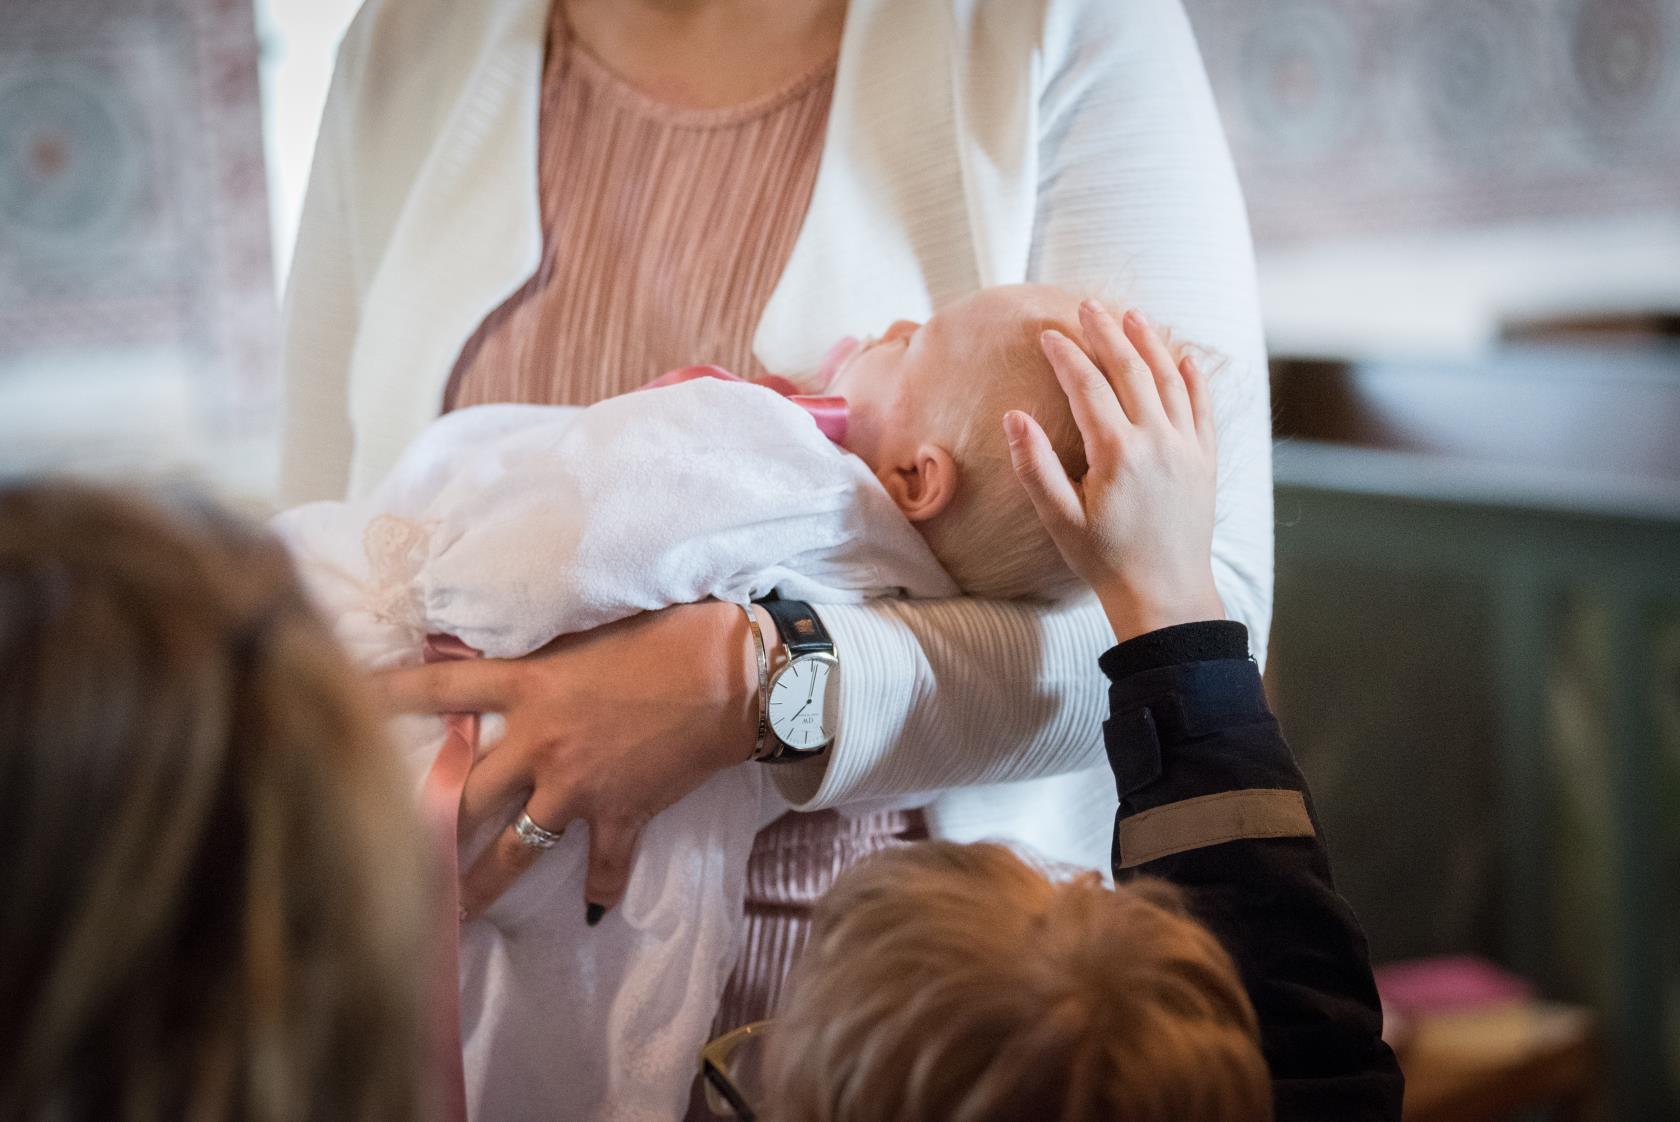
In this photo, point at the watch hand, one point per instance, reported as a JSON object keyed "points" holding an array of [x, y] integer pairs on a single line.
{"points": [[812, 692]]}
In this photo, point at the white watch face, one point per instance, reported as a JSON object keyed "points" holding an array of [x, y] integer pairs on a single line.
{"points": [[804, 702]]}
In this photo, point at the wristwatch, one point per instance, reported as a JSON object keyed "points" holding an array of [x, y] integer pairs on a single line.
{"points": [[804, 698]]}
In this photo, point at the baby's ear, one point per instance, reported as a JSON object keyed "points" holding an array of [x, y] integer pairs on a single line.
{"points": [[922, 485]]}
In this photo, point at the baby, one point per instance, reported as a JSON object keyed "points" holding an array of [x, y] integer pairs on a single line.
{"points": [[925, 403], [506, 526]]}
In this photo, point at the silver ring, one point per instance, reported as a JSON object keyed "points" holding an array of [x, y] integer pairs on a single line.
{"points": [[534, 835]]}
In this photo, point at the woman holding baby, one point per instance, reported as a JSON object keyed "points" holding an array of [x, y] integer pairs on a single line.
{"points": [[556, 201]]}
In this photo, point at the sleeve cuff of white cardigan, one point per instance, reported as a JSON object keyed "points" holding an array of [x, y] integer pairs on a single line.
{"points": [[880, 663]]}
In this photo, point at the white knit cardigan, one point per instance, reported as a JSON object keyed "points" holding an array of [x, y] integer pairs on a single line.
{"points": [[970, 143]]}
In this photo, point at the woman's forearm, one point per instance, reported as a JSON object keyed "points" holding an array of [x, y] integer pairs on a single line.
{"points": [[960, 693], [955, 693]]}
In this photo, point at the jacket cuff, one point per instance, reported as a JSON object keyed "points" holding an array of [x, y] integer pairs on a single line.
{"points": [[882, 662], [1170, 646], [1157, 716], [1198, 762], [1196, 823]]}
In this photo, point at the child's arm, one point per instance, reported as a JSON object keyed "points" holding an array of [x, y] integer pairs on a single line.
{"points": [[1212, 800], [1210, 797]]}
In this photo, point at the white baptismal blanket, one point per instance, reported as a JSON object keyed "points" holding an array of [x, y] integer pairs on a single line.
{"points": [[508, 525]]}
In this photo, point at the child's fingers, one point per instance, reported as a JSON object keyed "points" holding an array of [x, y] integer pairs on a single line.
{"points": [[1124, 368], [1169, 383], [1090, 397], [1041, 473], [1201, 402]]}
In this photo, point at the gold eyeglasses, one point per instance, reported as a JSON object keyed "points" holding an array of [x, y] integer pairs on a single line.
{"points": [[731, 1067]]}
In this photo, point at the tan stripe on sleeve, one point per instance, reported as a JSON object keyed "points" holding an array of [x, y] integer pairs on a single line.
{"points": [[1210, 820]]}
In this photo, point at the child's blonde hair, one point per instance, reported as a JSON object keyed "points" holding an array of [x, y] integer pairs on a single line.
{"points": [[212, 899], [957, 983]]}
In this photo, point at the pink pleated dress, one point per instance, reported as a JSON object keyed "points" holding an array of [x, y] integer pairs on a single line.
{"points": [[665, 230]]}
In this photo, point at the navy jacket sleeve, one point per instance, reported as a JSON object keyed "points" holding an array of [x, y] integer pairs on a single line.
{"points": [[1211, 799]]}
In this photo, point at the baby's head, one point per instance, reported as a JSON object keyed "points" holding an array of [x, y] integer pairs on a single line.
{"points": [[926, 414]]}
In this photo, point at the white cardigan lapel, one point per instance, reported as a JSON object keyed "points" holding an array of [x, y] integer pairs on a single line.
{"points": [[914, 209], [996, 87], [469, 231], [881, 240]]}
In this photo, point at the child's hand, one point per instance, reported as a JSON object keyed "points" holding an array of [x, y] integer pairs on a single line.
{"points": [[1139, 527]]}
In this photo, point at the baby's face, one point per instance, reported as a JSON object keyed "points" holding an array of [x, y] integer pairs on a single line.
{"points": [[899, 387]]}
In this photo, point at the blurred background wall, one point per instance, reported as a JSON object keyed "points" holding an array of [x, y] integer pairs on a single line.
{"points": [[136, 281], [1468, 224], [1467, 214], [1420, 173], [1419, 170]]}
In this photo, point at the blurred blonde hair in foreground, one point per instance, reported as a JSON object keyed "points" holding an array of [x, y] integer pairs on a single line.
{"points": [[212, 896], [957, 983]]}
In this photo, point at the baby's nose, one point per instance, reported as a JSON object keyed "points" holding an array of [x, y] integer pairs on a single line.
{"points": [[901, 328]]}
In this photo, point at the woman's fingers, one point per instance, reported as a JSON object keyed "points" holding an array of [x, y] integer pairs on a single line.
{"points": [[501, 863], [1089, 395], [591, 722], [612, 849], [456, 686], [509, 855], [1046, 482], [1169, 383], [497, 778], [1127, 373], [1201, 402]]}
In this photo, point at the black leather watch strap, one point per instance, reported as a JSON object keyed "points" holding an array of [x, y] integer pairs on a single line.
{"points": [[801, 631]]}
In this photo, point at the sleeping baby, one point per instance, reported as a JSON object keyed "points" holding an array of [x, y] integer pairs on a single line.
{"points": [[506, 526]]}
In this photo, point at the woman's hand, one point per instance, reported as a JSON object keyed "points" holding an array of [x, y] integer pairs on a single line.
{"points": [[1139, 527], [610, 727]]}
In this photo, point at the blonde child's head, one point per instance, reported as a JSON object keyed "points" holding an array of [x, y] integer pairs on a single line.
{"points": [[926, 414], [957, 983], [211, 897]]}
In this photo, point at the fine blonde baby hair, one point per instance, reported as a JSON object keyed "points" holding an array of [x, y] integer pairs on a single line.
{"points": [[212, 897], [990, 539], [957, 983]]}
